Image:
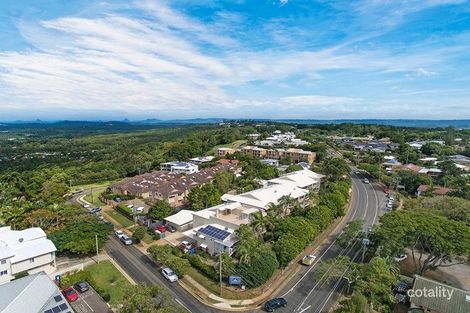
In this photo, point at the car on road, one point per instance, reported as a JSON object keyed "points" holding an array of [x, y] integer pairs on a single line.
{"points": [[160, 228], [70, 294], [86, 206], [308, 259], [95, 210], [401, 257], [170, 228], [81, 287], [118, 233], [274, 304], [365, 181], [126, 240], [357, 172], [169, 274]]}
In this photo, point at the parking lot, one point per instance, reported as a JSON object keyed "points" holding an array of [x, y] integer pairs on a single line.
{"points": [[89, 302]]}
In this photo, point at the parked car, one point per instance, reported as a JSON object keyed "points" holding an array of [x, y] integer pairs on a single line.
{"points": [[139, 209], [126, 240], [169, 274], [308, 259], [82, 286], [274, 304], [170, 228], [70, 294], [118, 233], [130, 206], [95, 210], [365, 181], [389, 206], [117, 199], [185, 246], [160, 228], [401, 257]]}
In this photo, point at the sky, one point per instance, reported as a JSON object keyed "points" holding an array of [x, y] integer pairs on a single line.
{"points": [[111, 60]]}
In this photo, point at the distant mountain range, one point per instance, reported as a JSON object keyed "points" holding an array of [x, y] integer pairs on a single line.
{"points": [[391, 122]]}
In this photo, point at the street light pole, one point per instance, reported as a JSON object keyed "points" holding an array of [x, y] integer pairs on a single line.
{"points": [[220, 272], [97, 253]]}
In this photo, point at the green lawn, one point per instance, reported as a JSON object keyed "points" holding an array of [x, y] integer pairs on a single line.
{"points": [[96, 201], [148, 239], [110, 280], [121, 219], [94, 185]]}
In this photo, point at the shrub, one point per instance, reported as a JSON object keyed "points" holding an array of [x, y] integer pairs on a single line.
{"points": [[124, 210], [106, 297], [197, 262]]}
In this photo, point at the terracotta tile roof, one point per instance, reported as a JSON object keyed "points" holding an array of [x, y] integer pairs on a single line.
{"points": [[423, 188], [441, 191]]}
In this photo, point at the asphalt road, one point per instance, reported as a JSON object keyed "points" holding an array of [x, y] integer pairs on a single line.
{"points": [[303, 293], [309, 293]]}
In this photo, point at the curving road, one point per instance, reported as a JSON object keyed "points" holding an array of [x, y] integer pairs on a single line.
{"points": [[303, 293]]}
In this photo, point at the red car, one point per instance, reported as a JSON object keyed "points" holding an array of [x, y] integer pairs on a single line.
{"points": [[70, 294], [161, 228]]}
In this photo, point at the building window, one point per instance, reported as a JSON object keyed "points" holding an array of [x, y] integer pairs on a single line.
{"points": [[31, 260], [3, 261], [5, 272]]}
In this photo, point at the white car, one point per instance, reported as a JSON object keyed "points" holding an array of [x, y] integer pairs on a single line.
{"points": [[389, 205], [130, 206], [366, 181], [139, 209], [169, 274], [86, 206], [309, 259], [401, 257], [126, 240], [118, 233]]}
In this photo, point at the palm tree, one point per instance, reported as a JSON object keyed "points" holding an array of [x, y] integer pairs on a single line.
{"points": [[258, 223]]}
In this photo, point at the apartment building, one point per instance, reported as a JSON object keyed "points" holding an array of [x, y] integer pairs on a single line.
{"points": [[221, 152], [26, 250], [297, 155], [179, 167]]}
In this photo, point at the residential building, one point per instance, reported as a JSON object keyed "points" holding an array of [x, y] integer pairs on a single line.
{"points": [[26, 250], [32, 294], [296, 155], [215, 239], [408, 167], [202, 160], [181, 221], [168, 186], [460, 159], [239, 209], [445, 299], [272, 162], [280, 139], [179, 167], [221, 152]]}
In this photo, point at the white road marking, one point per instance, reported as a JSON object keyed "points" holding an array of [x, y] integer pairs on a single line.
{"points": [[305, 309], [88, 305], [182, 304]]}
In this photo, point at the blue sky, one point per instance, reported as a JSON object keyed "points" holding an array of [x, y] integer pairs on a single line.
{"points": [[236, 59]]}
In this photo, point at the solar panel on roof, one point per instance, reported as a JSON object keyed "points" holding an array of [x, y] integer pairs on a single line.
{"points": [[56, 309], [63, 306], [58, 298], [214, 232]]}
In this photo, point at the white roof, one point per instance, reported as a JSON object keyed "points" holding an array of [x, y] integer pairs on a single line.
{"points": [[24, 244], [34, 293], [210, 212], [181, 218], [262, 197], [301, 179]]}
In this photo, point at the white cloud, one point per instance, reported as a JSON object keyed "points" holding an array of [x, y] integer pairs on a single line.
{"points": [[161, 63]]}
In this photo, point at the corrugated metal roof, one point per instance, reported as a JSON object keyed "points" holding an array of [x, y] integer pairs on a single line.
{"points": [[456, 303]]}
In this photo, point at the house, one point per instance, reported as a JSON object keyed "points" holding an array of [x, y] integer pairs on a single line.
{"points": [[428, 295], [221, 152], [32, 294], [460, 159], [304, 179], [434, 172], [202, 160], [409, 167], [422, 189], [26, 250], [179, 167], [181, 221], [214, 239], [428, 160], [253, 136], [272, 162], [441, 191]]}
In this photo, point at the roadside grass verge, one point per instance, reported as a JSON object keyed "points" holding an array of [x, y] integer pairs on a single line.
{"points": [[121, 219], [110, 280]]}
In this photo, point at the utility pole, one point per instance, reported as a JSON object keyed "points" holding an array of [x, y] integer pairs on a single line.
{"points": [[220, 272], [97, 253], [91, 195]]}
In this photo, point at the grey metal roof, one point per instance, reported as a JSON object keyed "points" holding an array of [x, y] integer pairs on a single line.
{"points": [[33, 294], [459, 302]]}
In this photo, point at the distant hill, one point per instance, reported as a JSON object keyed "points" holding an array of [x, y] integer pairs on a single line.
{"points": [[126, 124]]}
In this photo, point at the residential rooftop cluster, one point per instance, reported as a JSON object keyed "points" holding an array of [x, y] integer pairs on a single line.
{"points": [[170, 186]]}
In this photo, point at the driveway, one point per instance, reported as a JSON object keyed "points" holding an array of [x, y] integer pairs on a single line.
{"points": [[90, 302]]}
